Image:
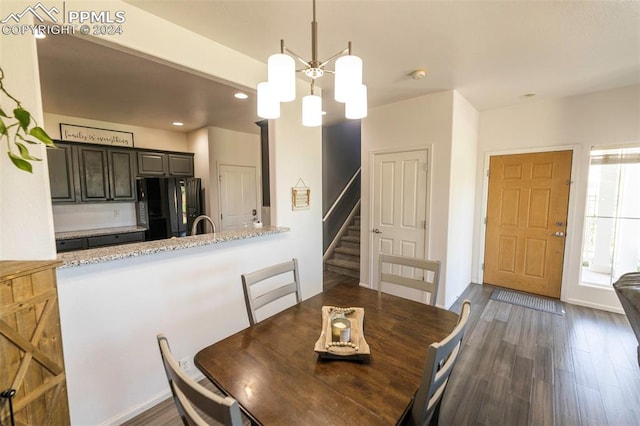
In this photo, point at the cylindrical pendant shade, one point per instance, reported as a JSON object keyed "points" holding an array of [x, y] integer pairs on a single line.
{"points": [[356, 107], [348, 77], [312, 111], [281, 70], [268, 103]]}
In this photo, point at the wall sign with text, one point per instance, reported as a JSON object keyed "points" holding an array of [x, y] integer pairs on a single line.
{"points": [[71, 133]]}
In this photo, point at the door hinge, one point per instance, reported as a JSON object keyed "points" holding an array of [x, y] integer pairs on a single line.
{"points": [[488, 173], [486, 220], [219, 178], [220, 216], [482, 267]]}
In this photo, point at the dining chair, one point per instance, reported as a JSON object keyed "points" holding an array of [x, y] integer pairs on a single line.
{"points": [[428, 285], [255, 300], [189, 394], [441, 358]]}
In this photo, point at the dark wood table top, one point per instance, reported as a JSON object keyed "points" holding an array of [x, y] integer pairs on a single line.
{"points": [[274, 373]]}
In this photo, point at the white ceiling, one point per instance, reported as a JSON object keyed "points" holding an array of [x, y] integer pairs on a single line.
{"points": [[492, 52]]}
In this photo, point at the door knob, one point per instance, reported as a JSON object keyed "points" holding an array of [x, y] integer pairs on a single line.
{"points": [[377, 231], [558, 234]]}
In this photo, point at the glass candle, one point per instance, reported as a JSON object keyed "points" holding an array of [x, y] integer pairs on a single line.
{"points": [[340, 330]]}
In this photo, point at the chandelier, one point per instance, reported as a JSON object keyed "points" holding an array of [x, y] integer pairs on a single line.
{"points": [[281, 82]]}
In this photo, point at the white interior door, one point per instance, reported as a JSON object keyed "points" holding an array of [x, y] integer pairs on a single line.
{"points": [[399, 210], [238, 196]]}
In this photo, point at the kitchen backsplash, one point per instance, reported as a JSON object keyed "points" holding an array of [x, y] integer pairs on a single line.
{"points": [[75, 217]]}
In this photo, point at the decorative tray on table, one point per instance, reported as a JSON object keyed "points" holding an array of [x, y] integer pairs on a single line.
{"points": [[356, 348]]}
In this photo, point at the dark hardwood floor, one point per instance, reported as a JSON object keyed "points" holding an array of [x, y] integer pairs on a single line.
{"points": [[519, 366]]}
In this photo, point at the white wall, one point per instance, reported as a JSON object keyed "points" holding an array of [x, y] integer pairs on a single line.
{"points": [[26, 221], [578, 122], [198, 143], [426, 122], [464, 152], [229, 147], [143, 137]]}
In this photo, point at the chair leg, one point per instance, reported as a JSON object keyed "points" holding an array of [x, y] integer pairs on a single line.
{"points": [[436, 415]]}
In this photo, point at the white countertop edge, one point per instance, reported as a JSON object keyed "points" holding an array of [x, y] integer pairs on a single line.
{"points": [[107, 254]]}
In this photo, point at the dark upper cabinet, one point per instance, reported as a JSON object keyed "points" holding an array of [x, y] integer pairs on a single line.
{"points": [[106, 174], [152, 164], [122, 179], [181, 165], [94, 175], [164, 164], [62, 173]]}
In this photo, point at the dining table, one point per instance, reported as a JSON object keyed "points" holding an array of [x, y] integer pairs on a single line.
{"points": [[278, 378]]}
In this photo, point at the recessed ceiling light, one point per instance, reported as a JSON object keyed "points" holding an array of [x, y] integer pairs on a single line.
{"points": [[418, 74], [241, 95], [178, 123]]}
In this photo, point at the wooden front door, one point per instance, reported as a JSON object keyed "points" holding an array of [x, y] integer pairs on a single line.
{"points": [[527, 221]]}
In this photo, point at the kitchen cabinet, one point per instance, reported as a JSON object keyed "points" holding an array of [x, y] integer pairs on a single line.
{"points": [[62, 174], [71, 245], [162, 164], [180, 165], [106, 174], [115, 239], [82, 243]]}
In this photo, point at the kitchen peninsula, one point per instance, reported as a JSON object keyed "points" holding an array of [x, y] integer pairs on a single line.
{"points": [[105, 254], [115, 300]]}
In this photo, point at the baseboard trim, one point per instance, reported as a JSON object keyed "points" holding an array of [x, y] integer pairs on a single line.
{"points": [[141, 408], [594, 306]]}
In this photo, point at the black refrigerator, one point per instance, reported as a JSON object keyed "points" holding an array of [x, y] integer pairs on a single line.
{"points": [[167, 207]]}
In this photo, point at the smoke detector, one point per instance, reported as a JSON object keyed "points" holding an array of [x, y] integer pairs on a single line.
{"points": [[418, 74]]}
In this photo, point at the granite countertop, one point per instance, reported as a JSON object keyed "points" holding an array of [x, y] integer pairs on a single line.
{"points": [[107, 254], [97, 232]]}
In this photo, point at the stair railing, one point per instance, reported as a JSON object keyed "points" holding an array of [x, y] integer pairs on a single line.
{"points": [[344, 191], [343, 229]]}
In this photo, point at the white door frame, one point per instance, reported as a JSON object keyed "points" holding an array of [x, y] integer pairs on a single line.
{"points": [[372, 157], [258, 189], [572, 243]]}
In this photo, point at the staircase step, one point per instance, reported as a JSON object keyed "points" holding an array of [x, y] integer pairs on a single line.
{"points": [[347, 257], [348, 244], [354, 266], [351, 239], [344, 267], [348, 250]]}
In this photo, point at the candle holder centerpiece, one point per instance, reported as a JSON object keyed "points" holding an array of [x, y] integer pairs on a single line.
{"points": [[342, 335]]}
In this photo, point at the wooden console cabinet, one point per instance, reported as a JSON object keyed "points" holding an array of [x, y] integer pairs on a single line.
{"points": [[31, 344]]}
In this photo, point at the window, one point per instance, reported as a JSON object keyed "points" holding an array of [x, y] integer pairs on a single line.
{"points": [[611, 244]]}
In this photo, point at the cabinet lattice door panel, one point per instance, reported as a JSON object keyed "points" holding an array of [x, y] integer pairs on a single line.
{"points": [[31, 344]]}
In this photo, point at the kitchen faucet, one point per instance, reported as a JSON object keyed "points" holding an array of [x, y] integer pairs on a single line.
{"points": [[197, 220]]}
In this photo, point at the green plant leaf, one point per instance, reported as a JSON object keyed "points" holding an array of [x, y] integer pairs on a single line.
{"points": [[24, 153], [2, 114], [23, 117], [20, 163], [3, 128], [42, 136]]}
